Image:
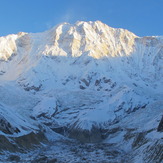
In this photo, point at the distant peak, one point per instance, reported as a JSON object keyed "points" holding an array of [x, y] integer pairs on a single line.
{"points": [[22, 33]]}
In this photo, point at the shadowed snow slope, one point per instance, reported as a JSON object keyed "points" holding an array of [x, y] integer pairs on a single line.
{"points": [[87, 81]]}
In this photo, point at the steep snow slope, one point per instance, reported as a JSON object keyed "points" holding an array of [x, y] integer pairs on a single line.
{"points": [[82, 81], [85, 44]]}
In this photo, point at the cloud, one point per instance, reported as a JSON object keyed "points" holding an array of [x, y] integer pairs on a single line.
{"points": [[69, 16]]}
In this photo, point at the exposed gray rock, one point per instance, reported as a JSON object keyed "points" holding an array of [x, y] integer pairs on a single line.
{"points": [[160, 126], [86, 136], [14, 158], [139, 140], [85, 82], [154, 152], [81, 87], [7, 145], [22, 143], [30, 140], [7, 127]]}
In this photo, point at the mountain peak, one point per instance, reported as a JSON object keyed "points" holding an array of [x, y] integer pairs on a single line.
{"points": [[95, 38], [87, 81]]}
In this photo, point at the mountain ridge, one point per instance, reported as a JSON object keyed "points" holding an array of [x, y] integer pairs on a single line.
{"points": [[62, 42], [86, 81]]}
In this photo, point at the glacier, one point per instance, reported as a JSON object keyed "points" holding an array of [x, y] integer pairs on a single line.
{"points": [[83, 87]]}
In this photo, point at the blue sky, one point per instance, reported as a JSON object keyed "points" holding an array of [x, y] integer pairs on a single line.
{"points": [[142, 17]]}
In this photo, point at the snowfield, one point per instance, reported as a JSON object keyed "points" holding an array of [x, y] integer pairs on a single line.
{"points": [[81, 93]]}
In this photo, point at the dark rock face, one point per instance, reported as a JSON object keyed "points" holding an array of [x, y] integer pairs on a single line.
{"points": [[60, 130], [86, 136], [81, 87], [160, 126], [22, 143], [30, 140], [41, 159], [154, 152], [14, 158], [139, 140], [85, 82], [5, 144], [7, 127], [27, 88], [44, 159]]}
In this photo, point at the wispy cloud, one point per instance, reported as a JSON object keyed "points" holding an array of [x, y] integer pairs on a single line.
{"points": [[69, 16]]}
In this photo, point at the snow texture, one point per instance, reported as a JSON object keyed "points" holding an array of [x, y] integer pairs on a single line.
{"points": [[82, 77]]}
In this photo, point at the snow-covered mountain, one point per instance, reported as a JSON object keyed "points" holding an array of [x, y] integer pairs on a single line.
{"points": [[85, 81]]}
